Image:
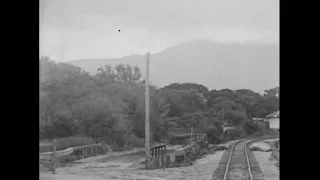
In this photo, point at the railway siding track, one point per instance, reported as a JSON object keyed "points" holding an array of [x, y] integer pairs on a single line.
{"points": [[239, 163]]}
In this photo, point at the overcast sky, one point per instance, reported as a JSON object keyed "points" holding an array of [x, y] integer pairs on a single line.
{"points": [[78, 29]]}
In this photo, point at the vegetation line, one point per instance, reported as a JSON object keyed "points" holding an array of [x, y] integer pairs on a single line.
{"points": [[109, 107]]}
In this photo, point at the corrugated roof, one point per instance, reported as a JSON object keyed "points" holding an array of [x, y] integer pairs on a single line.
{"points": [[274, 115]]}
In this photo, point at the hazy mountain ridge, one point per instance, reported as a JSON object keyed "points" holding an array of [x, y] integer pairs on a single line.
{"points": [[217, 66]]}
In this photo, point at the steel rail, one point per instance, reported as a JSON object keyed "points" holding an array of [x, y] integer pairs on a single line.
{"points": [[248, 162], [230, 157]]}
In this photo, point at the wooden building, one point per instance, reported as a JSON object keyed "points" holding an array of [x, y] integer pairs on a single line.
{"points": [[274, 120], [259, 121]]}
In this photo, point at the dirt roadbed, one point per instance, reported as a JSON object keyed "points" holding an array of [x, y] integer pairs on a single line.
{"points": [[128, 167], [267, 165], [270, 171]]}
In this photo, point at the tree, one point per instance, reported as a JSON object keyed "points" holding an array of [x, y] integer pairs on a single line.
{"points": [[105, 75], [126, 73], [110, 105], [274, 92], [120, 74], [187, 86], [236, 118]]}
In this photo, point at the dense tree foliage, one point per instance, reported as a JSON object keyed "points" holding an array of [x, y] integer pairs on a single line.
{"points": [[109, 106]]}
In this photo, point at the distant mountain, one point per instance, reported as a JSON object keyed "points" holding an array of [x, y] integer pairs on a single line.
{"points": [[214, 65]]}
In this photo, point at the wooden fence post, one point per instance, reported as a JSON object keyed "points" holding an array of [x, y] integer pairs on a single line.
{"points": [[160, 157], [165, 156], [150, 161], [54, 158], [157, 157]]}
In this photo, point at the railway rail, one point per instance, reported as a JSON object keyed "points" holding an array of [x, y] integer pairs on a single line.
{"points": [[239, 163]]}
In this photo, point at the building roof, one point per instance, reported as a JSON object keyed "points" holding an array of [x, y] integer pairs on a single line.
{"points": [[274, 115], [257, 119]]}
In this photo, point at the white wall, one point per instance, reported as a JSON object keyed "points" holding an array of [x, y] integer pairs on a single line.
{"points": [[274, 123]]}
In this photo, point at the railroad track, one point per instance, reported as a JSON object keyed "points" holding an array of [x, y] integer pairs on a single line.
{"points": [[238, 163]]}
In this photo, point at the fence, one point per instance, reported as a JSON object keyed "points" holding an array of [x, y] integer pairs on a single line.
{"points": [[50, 159], [158, 157]]}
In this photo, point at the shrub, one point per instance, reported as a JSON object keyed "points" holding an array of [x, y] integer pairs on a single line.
{"points": [[119, 144], [276, 143], [261, 132], [57, 130], [250, 127], [271, 132], [135, 141], [178, 140], [233, 134], [213, 136]]}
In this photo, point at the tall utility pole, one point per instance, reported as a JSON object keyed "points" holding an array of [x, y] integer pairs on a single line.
{"points": [[147, 98]]}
